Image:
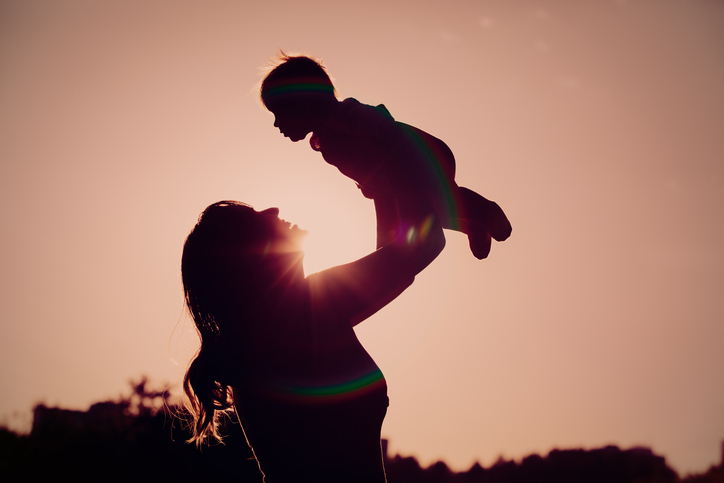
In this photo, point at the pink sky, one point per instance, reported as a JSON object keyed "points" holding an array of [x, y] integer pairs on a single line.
{"points": [[597, 125]]}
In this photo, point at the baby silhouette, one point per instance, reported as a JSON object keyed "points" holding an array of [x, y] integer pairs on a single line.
{"points": [[383, 156]]}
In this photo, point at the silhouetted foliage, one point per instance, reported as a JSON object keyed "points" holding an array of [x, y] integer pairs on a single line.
{"points": [[403, 469], [137, 438], [714, 475], [141, 437]]}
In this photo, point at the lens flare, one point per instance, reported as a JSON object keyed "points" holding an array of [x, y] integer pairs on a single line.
{"points": [[332, 393], [296, 86]]}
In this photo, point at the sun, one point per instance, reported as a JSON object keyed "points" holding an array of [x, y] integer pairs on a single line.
{"points": [[339, 221], [334, 243]]}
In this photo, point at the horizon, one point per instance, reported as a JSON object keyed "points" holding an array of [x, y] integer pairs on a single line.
{"points": [[142, 400]]}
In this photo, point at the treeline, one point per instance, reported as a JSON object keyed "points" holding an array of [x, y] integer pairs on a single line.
{"points": [[142, 437]]}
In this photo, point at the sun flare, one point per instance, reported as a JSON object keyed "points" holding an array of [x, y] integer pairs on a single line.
{"points": [[327, 246]]}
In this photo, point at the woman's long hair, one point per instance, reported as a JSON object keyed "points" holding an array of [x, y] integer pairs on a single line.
{"points": [[220, 268]]}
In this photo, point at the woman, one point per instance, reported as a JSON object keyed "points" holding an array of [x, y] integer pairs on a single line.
{"points": [[279, 347]]}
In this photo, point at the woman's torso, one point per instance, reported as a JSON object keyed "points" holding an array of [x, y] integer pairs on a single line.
{"points": [[310, 398]]}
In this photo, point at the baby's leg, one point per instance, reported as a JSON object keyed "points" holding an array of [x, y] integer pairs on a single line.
{"points": [[482, 211], [454, 216], [479, 218]]}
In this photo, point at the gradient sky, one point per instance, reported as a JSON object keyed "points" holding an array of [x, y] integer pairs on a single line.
{"points": [[597, 125]]}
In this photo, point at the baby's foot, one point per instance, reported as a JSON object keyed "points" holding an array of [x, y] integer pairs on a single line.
{"points": [[481, 210], [480, 241], [497, 223]]}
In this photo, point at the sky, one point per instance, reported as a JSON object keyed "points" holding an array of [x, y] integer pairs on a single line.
{"points": [[596, 125]]}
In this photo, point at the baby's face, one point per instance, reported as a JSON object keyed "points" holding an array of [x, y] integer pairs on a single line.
{"points": [[292, 122]]}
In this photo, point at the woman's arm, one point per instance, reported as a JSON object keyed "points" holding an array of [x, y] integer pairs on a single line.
{"points": [[357, 290]]}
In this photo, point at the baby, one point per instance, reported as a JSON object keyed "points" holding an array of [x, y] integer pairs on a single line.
{"points": [[380, 154]]}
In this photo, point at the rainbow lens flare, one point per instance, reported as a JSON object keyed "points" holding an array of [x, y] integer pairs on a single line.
{"points": [[336, 392], [296, 86]]}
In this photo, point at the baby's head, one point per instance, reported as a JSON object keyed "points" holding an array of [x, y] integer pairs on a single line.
{"points": [[296, 91], [295, 78]]}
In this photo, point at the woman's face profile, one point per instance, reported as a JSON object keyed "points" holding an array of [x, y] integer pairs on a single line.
{"points": [[287, 237]]}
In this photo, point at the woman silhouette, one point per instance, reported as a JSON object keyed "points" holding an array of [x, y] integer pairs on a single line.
{"points": [[279, 348]]}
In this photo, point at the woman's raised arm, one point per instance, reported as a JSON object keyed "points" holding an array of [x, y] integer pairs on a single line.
{"points": [[357, 290]]}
